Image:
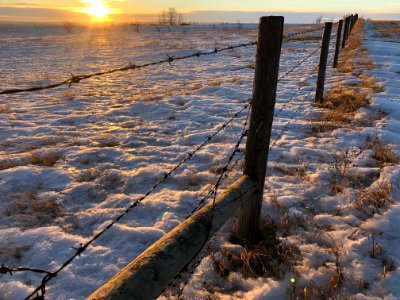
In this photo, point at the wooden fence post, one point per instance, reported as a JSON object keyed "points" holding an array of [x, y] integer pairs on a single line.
{"points": [[353, 18], [338, 39], [345, 31], [319, 95], [246, 224]]}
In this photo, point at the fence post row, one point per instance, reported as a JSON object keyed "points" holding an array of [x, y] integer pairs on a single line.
{"points": [[146, 277], [247, 220], [319, 95], [345, 31], [338, 40]]}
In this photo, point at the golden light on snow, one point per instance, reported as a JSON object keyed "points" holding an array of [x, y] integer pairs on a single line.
{"points": [[97, 10]]}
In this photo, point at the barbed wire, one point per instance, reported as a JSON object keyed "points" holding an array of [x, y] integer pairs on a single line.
{"points": [[78, 78], [213, 192], [300, 63], [300, 87], [286, 127], [303, 32], [79, 250], [7, 270]]}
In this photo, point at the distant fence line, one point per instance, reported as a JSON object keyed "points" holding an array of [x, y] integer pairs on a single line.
{"points": [[246, 192]]}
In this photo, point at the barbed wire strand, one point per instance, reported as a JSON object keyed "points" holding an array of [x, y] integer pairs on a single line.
{"points": [[286, 127], [294, 94], [83, 247], [76, 79], [181, 289], [213, 192]]}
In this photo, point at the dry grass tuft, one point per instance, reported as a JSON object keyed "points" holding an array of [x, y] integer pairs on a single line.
{"points": [[375, 198], [5, 109], [369, 83], [31, 209], [48, 159], [339, 171], [269, 257], [298, 172], [69, 96], [341, 103], [384, 154], [88, 175], [13, 252], [344, 98]]}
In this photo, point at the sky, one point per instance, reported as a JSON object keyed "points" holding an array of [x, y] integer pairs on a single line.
{"points": [[295, 11]]}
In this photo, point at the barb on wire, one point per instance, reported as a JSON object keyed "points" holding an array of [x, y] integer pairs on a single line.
{"points": [[79, 250]]}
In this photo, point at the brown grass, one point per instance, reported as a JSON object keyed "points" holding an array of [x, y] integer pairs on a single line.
{"points": [[69, 96], [388, 30], [5, 109], [340, 103], [339, 171], [384, 154], [30, 209], [369, 83], [13, 252], [268, 257], [48, 159], [354, 54], [298, 172], [375, 198]]}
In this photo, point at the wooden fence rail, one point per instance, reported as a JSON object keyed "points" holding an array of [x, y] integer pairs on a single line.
{"points": [[146, 277]]}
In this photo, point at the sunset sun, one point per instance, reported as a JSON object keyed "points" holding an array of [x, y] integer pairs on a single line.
{"points": [[97, 10]]}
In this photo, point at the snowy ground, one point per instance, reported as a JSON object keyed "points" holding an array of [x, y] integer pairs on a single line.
{"points": [[71, 159]]}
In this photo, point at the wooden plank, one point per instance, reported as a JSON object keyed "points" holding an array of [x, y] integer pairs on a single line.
{"points": [[247, 220], [146, 277]]}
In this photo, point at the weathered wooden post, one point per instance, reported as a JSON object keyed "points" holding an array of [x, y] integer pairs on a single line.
{"points": [[319, 95], [247, 220], [351, 24], [338, 39], [353, 21], [348, 28], [345, 31]]}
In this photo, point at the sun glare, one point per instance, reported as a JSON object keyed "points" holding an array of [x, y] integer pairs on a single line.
{"points": [[97, 10]]}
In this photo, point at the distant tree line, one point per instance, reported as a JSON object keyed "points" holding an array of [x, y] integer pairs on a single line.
{"points": [[170, 17]]}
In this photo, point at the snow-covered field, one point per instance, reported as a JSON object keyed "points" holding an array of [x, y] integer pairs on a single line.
{"points": [[72, 159]]}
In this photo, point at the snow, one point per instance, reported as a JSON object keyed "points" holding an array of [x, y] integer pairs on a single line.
{"points": [[72, 159]]}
